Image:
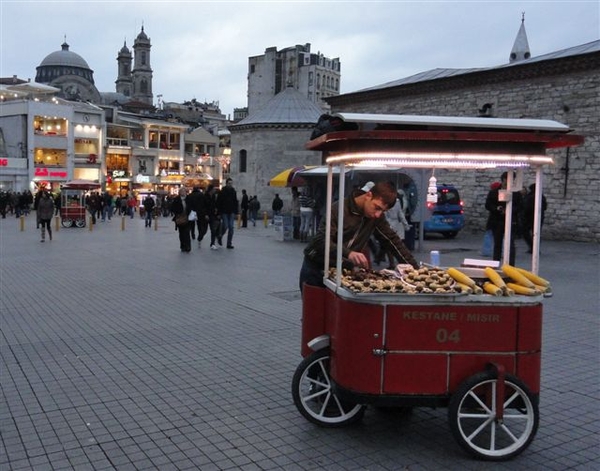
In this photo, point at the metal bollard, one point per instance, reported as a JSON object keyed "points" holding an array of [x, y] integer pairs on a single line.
{"points": [[239, 221], [91, 224], [156, 223], [56, 223], [22, 222], [122, 223]]}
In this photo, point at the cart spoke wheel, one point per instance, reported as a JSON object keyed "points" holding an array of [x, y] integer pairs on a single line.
{"points": [[314, 396], [66, 222], [80, 222], [480, 429]]}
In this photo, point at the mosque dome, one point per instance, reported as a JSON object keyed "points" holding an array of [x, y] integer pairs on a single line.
{"points": [[63, 63], [64, 57]]}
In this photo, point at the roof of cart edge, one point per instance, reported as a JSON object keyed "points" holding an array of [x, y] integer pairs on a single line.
{"points": [[455, 121]]}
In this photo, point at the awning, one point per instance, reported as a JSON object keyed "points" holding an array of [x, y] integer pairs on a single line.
{"points": [[290, 177], [81, 185], [32, 87]]}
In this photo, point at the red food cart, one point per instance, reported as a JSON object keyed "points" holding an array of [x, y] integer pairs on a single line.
{"points": [[72, 202], [477, 355]]}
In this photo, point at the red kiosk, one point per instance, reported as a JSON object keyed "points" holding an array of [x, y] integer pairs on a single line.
{"points": [[72, 202], [478, 355]]}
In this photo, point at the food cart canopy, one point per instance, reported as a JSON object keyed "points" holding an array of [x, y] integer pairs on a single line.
{"points": [[81, 185], [412, 141]]}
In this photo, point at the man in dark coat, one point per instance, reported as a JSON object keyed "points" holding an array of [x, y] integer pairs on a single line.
{"points": [[227, 203], [496, 221]]}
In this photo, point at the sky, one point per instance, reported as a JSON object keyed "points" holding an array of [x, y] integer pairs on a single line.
{"points": [[200, 49]]}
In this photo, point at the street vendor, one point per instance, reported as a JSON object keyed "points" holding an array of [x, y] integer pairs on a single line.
{"points": [[363, 217]]}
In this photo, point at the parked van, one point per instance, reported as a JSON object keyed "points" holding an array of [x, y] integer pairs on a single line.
{"points": [[447, 215]]}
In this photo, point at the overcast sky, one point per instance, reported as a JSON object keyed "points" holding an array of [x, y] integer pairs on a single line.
{"points": [[200, 49]]}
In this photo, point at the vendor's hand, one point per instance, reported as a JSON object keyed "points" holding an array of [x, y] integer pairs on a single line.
{"points": [[358, 259]]}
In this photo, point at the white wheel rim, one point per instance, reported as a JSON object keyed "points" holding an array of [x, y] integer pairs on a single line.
{"points": [[319, 400], [482, 432]]}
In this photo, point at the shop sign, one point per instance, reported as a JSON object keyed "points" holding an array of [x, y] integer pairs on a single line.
{"points": [[119, 173], [13, 163], [50, 173], [142, 179]]}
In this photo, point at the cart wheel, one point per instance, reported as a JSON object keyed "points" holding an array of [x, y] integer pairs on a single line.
{"points": [[80, 222], [472, 417], [66, 222], [311, 390]]}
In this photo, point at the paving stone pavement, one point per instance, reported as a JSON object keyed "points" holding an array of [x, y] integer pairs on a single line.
{"points": [[119, 352]]}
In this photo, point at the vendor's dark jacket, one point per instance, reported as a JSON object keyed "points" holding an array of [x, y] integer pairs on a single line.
{"points": [[357, 231]]}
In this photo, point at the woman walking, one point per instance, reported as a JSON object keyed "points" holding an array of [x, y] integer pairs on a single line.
{"points": [[45, 211]]}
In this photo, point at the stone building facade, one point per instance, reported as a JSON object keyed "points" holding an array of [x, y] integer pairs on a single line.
{"points": [[562, 86], [270, 141], [314, 75]]}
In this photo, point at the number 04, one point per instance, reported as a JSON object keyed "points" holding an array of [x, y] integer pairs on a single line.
{"points": [[442, 336]]}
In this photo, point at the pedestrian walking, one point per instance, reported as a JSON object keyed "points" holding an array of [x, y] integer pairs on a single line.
{"points": [[45, 211], [227, 203], [276, 206], [181, 211], [148, 204]]}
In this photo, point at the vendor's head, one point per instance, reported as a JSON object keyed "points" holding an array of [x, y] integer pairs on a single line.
{"points": [[378, 199]]}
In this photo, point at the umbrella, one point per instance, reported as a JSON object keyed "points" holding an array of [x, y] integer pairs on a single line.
{"points": [[289, 177]]}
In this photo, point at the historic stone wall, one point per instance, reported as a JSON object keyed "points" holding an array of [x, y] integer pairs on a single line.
{"points": [[571, 185], [269, 150]]}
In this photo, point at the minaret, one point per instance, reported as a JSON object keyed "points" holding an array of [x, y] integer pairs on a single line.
{"points": [[124, 82], [520, 50], [142, 72]]}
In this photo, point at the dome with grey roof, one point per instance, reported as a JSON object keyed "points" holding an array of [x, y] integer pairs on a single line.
{"points": [[63, 63], [64, 57], [287, 107]]}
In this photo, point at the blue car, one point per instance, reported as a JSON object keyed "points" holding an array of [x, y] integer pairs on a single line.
{"points": [[447, 215]]}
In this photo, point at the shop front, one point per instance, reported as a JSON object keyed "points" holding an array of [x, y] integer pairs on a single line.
{"points": [[13, 174]]}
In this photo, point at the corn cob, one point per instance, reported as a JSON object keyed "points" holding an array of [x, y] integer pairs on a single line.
{"points": [[544, 289], [520, 289], [498, 281], [491, 288], [461, 277], [464, 288], [535, 279], [516, 276]]}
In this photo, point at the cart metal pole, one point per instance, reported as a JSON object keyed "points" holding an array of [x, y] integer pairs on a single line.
{"points": [[340, 224], [537, 221], [328, 203]]}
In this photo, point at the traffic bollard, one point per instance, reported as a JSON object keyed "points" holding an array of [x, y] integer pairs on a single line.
{"points": [[91, 224], [156, 223], [122, 223], [239, 221], [265, 219], [56, 223], [22, 222]]}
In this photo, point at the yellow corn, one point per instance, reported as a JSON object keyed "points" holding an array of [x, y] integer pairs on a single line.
{"points": [[491, 288], [535, 279], [464, 288], [461, 277], [517, 276], [544, 289], [494, 277], [520, 289]]}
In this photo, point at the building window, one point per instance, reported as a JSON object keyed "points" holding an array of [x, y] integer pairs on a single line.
{"points": [[143, 58], [243, 161]]}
